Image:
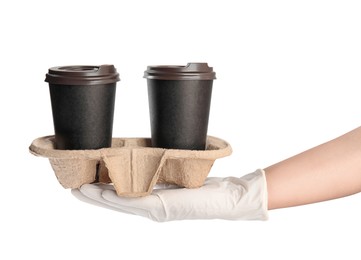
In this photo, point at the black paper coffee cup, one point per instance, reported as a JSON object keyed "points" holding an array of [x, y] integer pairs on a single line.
{"points": [[179, 105], [82, 100]]}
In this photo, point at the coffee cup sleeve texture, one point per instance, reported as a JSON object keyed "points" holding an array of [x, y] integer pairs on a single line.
{"points": [[179, 105], [82, 102]]}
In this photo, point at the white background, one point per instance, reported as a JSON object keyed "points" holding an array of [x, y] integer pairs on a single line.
{"points": [[288, 78]]}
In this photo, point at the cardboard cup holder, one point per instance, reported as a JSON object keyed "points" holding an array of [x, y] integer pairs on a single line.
{"points": [[131, 164]]}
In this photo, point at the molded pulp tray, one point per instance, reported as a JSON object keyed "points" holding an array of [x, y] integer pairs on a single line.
{"points": [[131, 164]]}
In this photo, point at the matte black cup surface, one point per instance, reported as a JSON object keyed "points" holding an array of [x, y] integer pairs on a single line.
{"points": [[179, 105], [82, 100]]}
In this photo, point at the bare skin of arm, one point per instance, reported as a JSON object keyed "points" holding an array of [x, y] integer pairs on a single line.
{"points": [[328, 171]]}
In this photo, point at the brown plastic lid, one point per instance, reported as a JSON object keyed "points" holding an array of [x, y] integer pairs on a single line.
{"points": [[192, 71], [82, 75]]}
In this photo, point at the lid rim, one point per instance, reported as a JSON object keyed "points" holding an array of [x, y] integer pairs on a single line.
{"points": [[192, 71], [82, 75], [179, 78]]}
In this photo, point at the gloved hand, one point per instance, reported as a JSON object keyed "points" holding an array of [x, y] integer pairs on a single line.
{"points": [[229, 198]]}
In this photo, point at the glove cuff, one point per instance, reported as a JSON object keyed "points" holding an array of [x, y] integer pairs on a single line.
{"points": [[264, 194], [257, 194]]}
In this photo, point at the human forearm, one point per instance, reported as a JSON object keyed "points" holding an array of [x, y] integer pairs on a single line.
{"points": [[328, 171]]}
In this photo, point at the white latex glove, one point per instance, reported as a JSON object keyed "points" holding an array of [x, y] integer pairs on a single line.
{"points": [[229, 198]]}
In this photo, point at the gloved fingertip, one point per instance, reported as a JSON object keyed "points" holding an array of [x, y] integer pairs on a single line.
{"points": [[87, 186], [75, 192], [80, 196]]}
